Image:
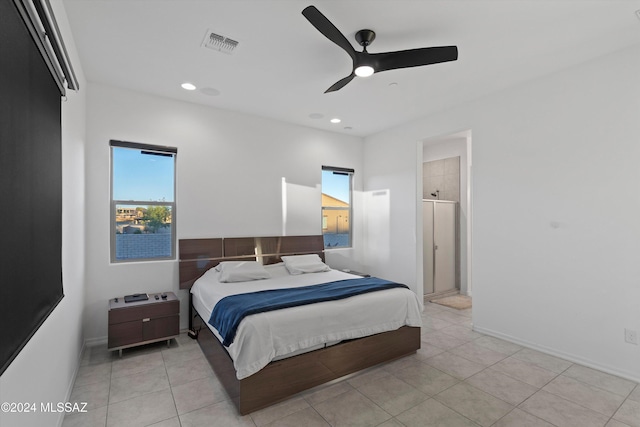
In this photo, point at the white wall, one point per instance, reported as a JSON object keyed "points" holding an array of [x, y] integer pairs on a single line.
{"points": [[45, 369], [555, 255], [230, 171]]}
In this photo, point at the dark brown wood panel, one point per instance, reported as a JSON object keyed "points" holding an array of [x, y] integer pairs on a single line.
{"points": [[199, 255], [194, 249], [192, 270], [284, 378], [124, 333], [242, 246], [158, 309], [161, 327]]}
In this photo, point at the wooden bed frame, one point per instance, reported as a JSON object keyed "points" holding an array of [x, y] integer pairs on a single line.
{"points": [[283, 378]]}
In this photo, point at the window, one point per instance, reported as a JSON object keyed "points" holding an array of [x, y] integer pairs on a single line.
{"points": [[336, 207], [142, 202]]}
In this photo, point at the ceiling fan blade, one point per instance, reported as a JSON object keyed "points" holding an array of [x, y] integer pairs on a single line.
{"points": [[414, 57], [329, 30], [340, 83]]}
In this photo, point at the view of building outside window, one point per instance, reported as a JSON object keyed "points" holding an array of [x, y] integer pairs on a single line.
{"points": [[336, 208], [143, 203]]}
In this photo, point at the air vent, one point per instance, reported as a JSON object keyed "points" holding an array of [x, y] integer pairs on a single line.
{"points": [[219, 42]]}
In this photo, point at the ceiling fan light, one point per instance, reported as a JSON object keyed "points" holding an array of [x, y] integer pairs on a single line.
{"points": [[364, 71]]}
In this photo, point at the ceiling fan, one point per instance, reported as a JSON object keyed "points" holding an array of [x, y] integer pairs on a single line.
{"points": [[365, 63]]}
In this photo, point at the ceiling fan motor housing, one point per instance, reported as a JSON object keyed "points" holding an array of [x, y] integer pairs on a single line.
{"points": [[365, 37]]}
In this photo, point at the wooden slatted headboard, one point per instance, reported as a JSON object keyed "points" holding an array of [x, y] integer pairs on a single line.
{"points": [[199, 255]]}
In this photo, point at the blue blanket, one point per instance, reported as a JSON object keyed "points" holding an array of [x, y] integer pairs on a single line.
{"points": [[229, 311]]}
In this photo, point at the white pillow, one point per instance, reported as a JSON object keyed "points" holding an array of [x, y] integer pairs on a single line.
{"points": [[241, 271], [299, 264]]}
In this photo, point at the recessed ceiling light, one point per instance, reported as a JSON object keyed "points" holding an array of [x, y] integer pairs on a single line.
{"points": [[348, 128], [335, 120], [316, 115], [188, 86], [393, 84], [210, 91]]}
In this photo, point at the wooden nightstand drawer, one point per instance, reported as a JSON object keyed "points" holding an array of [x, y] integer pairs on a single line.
{"points": [[122, 334], [150, 311], [160, 327]]}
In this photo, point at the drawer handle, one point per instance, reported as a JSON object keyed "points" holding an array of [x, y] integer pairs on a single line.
{"points": [[146, 319]]}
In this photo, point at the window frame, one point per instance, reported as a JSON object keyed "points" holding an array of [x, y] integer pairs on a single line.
{"points": [[341, 171], [161, 150]]}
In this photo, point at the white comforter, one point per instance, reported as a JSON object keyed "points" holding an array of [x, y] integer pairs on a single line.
{"points": [[263, 337]]}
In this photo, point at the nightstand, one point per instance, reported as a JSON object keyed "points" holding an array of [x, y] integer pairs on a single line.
{"points": [[143, 322]]}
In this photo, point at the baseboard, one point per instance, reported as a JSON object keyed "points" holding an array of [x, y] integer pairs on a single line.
{"points": [[72, 382], [631, 376], [90, 342]]}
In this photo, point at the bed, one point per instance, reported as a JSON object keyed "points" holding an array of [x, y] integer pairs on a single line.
{"points": [[280, 353]]}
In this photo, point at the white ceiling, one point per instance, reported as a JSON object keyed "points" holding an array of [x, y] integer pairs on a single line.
{"points": [[283, 64]]}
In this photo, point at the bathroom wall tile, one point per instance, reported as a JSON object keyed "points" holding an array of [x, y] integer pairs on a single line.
{"points": [[437, 168], [437, 183], [451, 182], [426, 169], [452, 165]]}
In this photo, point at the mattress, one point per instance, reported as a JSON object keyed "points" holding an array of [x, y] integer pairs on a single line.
{"points": [[264, 337]]}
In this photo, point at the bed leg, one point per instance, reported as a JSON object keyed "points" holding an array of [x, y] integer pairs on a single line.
{"points": [[192, 331]]}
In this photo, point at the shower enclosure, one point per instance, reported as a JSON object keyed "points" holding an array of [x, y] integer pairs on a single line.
{"points": [[440, 246]]}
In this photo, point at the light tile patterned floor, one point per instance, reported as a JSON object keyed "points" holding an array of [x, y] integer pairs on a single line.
{"points": [[458, 378]]}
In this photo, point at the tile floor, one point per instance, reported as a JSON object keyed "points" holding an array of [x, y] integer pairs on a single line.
{"points": [[458, 378]]}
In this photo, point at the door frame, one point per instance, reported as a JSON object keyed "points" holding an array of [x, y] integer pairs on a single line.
{"points": [[465, 214]]}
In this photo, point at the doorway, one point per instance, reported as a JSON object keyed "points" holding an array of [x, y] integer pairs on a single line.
{"points": [[435, 183]]}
